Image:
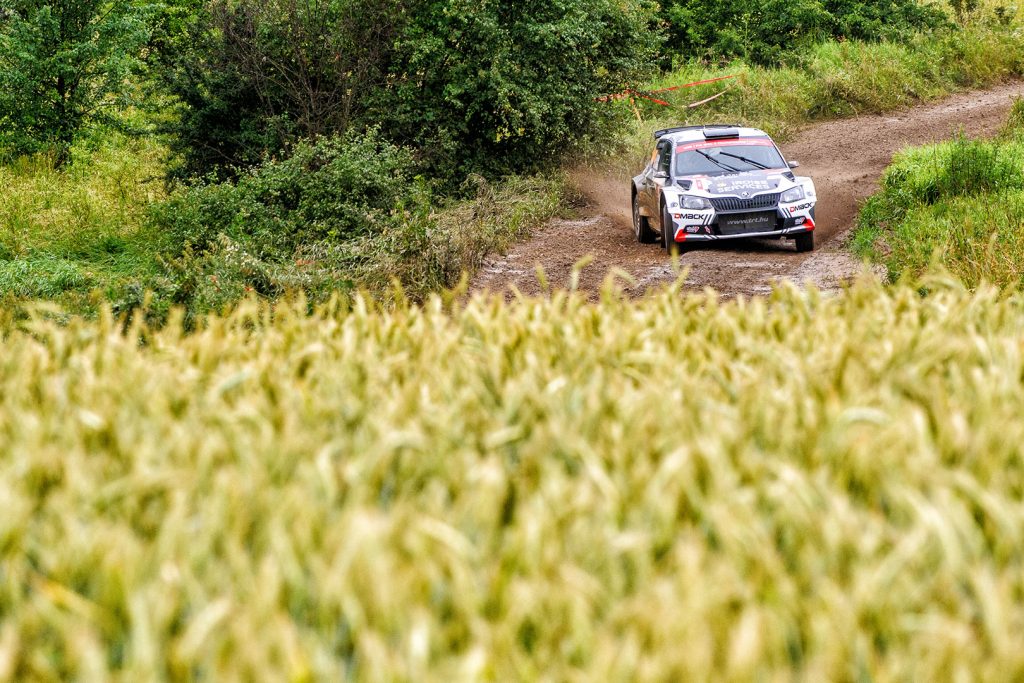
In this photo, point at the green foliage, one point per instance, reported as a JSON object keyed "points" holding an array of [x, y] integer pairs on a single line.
{"points": [[1014, 128], [335, 188], [768, 32], [253, 76], [45, 277], [799, 488], [493, 88], [341, 214], [760, 32], [507, 86], [337, 214], [256, 233], [961, 203], [63, 66], [76, 235]]}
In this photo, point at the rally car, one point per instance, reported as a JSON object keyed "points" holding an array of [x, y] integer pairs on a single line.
{"points": [[718, 182]]}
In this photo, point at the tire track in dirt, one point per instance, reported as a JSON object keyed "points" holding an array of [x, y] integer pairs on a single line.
{"points": [[845, 158]]}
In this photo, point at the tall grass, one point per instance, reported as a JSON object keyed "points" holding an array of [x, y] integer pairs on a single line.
{"points": [[960, 203], [64, 234], [788, 488]]}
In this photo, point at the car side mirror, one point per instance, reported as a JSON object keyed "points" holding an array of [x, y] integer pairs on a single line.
{"points": [[794, 164], [660, 175]]}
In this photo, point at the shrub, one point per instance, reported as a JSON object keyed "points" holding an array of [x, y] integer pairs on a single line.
{"points": [[251, 77], [774, 31], [273, 229], [336, 189], [337, 214], [509, 86], [494, 88]]}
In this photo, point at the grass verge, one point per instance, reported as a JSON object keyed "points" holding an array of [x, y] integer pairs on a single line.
{"points": [[670, 489], [87, 236], [959, 203]]}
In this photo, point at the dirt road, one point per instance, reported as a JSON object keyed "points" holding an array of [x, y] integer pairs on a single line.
{"points": [[845, 158]]}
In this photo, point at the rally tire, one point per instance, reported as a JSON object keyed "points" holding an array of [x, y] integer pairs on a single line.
{"points": [[804, 242], [642, 225]]}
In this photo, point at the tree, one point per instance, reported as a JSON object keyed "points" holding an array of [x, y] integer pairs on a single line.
{"points": [[771, 32], [65, 64], [507, 86], [254, 76], [488, 86]]}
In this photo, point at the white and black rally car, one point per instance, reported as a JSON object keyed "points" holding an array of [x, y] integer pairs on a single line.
{"points": [[717, 182]]}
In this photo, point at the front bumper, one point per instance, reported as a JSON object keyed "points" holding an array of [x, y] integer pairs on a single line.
{"points": [[703, 227], [683, 236]]}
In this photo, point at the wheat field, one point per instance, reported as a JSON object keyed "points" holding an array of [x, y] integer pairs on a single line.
{"points": [[792, 488]]}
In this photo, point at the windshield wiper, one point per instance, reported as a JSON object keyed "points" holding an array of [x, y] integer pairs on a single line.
{"points": [[755, 164], [718, 163]]}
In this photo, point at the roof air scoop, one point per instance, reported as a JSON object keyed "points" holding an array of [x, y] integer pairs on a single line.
{"points": [[716, 133]]}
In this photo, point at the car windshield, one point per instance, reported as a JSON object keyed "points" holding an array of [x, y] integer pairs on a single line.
{"points": [[733, 156]]}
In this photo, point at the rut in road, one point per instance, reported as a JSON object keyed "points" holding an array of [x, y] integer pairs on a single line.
{"points": [[845, 158]]}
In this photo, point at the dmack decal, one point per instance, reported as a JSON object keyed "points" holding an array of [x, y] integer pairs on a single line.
{"points": [[691, 216], [794, 209]]}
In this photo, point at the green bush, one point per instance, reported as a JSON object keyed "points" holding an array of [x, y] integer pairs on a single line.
{"points": [[770, 31], [64, 66], [495, 88], [509, 86], [335, 188], [279, 225], [338, 214], [253, 76]]}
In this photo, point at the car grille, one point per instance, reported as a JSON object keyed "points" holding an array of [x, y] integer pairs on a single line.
{"points": [[740, 223], [763, 201]]}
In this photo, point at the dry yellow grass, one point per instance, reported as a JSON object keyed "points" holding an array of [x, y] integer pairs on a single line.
{"points": [[793, 488]]}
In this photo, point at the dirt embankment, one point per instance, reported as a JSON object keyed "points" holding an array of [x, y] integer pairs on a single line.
{"points": [[845, 158]]}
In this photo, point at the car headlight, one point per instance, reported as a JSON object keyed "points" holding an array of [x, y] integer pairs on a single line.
{"points": [[695, 203], [793, 194]]}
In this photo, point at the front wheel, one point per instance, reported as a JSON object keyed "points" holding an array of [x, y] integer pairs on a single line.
{"points": [[641, 225], [804, 242]]}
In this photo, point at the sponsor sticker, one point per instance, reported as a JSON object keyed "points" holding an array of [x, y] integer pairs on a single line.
{"points": [[741, 185], [690, 146]]}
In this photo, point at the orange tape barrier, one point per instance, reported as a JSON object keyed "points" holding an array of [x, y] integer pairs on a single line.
{"points": [[647, 95]]}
